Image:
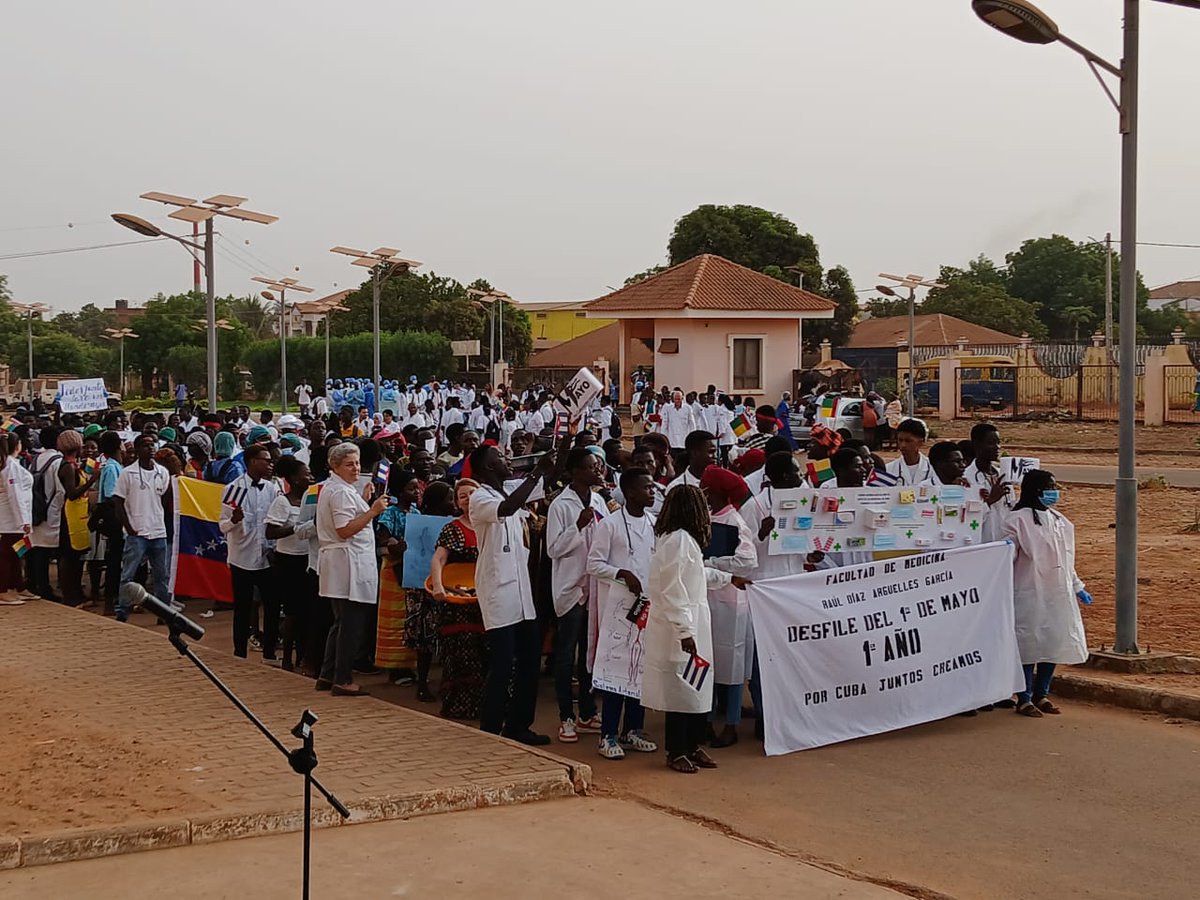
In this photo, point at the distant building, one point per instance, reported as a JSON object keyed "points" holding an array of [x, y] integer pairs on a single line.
{"points": [[711, 321], [1181, 295], [305, 317], [933, 330], [555, 323], [123, 312]]}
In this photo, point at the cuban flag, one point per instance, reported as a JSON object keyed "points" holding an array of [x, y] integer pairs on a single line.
{"points": [[696, 671], [882, 477], [382, 471], [562, 424]]}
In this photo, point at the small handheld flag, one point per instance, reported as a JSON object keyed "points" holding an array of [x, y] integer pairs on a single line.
{"points": [[819, 471], [696, 671], [740, 425], [10, 426], [382, 471], [89, 466], [23, 546], [562, 424], [827, 406], [235, 495], [882, 477]]}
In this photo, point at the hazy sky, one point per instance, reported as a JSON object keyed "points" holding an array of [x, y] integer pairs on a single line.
{"points": [[550, 146]]}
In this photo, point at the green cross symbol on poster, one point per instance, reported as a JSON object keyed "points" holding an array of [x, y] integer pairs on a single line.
{"points": [[774, 535], [837, 547], [909, 533], [974, 524]]}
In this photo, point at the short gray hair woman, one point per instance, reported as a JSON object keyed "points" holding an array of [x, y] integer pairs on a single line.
{"points": [[349, 573]]}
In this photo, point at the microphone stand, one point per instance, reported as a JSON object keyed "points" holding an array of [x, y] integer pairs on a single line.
{"points": [[302, 760]]}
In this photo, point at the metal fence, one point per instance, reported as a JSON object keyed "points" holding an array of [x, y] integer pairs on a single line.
{"points": [[1082, 393], [1181, 402]]}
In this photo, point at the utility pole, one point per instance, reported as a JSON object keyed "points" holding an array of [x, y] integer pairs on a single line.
{"points": [[283, 285], [1108, 314]]}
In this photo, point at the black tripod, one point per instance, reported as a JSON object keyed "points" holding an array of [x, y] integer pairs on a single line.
{"points": [[302, 760]]}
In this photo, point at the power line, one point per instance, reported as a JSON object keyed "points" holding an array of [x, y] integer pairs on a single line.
{"points": [[33, 253]]}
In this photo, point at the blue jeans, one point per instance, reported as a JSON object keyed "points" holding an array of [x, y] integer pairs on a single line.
{"points": [[733, 703], [610, 716], [137, 549], [1037, 683], [570, 652]]}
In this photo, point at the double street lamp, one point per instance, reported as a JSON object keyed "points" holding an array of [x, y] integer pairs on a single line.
{"points": [[119, 334], [912, 282], [383, 263], [29, 310], [190, 210], [1025, 22], [282, 285], [495, 299]]}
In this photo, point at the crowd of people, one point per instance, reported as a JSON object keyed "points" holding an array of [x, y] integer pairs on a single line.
{"points": [[552, 527]]}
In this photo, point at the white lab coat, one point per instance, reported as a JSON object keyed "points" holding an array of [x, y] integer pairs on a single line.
{"points": [[567, 547], [993, 522], [733, 635], [502, 571], [348, 568], [1049, 627], [16, 497], [910, 475], [45, 535], [677, 424], [620, 542], [678, 592]]}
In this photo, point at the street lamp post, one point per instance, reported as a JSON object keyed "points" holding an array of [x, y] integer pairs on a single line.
{"points": [[119, 334], [495, 299], [29, 310], [383, 263], [1025, 22], [283, 285], [190, 211], [329, 311], [912, 282]]}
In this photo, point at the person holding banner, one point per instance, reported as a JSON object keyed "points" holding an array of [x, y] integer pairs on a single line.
{"points": [[1046, 591], [733, 636], [678, 631]]}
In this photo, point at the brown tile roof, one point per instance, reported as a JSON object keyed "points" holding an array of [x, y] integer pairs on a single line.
{"points": [[1179, 290], [317, 307], [710, 282], [935, 329], [587, 348]]}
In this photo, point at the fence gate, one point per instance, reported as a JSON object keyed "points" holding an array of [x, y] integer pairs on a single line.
{"points": [[1031, 393], [1181, 402]]}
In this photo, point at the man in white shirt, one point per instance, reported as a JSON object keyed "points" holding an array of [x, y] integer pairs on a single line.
{"points": [[985, 474], [912, 466], [141, 499], [602, 418], [414, 417], [243, 520], [701, 451], [304, 396], [678, 421], [505, 594], [570, 523]]}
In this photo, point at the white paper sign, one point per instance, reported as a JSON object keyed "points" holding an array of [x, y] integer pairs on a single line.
{"points": [[865, 649], [1015, 467], [82, 395], [909, 518], [579, 392]]}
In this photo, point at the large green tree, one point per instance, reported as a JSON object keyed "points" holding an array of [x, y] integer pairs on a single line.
{"points": [[748, 235], [838, 287], [169, 323], [979, 294], [88, 324]]}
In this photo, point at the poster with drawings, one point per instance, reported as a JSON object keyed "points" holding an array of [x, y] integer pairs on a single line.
{"points": [[918, 517]]}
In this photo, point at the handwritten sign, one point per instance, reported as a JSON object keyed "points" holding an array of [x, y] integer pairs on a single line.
{"points": [[82, 395], [579, 392]]}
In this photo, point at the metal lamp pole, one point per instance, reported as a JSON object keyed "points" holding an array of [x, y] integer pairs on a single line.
{"points": [[119, 334], [29, 310], [912, 282], [1025, 22], [283, 285]]}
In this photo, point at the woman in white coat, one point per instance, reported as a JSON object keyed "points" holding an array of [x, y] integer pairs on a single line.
{"points": [[733, 635], [678, 635], [1046, 590], [16, 502]]}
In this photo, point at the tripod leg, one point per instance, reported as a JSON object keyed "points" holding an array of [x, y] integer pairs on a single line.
{"points": [[307, 828]]}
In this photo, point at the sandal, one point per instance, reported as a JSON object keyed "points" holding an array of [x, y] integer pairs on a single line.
{"points": [[1047, 707], [682, 764], [1028, 709], [702, 759]]}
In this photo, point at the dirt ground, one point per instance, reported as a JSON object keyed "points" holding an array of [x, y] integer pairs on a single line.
{"points": [[1089, 435], [1168, 616]]}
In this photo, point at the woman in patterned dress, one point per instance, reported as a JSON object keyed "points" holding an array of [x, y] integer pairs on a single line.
{"points": [[461, 632], [392, 649]]}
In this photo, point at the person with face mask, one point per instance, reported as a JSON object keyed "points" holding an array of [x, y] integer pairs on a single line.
{"points": [[1046, 590]]}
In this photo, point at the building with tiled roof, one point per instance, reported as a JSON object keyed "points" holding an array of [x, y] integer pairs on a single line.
{"points": [[711, 321], [932, 330], [554, 323]]}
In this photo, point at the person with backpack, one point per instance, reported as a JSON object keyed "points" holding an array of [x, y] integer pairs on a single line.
{"points": [[47, 512], [224, 468]]}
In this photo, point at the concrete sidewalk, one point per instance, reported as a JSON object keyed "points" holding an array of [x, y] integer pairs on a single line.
{"points": [[1107, 475], [575, 848], [113, 743]]}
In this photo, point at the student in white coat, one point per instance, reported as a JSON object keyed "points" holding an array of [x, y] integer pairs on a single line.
{"points": [[16, 520], [911, 467], [619, 561], [985, 475], [1046, 590], [678, 634], [570, 523], [348, 572], [733, 636]]}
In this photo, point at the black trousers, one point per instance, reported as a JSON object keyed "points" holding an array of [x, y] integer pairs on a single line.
{"points": [[514, 657], [684, 732], [318, 632], [345, 639], [112, 567], [39, 572], [244, 583], [297, 589]]}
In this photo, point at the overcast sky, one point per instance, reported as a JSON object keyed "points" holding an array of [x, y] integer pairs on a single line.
{"points": [[550, 146]]}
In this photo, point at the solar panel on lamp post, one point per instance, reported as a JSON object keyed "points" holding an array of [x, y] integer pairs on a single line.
{"points": [[383, 263], [329, 310], [29, 310], [119, 334], [1023, 21], [190, 210], [283, 285], [912, 282], [492, 298]]}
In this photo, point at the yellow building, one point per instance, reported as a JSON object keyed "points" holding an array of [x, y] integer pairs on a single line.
{"points": [[556, 323]]}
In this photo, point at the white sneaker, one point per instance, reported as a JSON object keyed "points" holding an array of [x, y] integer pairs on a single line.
{"points": [[567, 733], [588, 726], [637, 741], [611, 749]]}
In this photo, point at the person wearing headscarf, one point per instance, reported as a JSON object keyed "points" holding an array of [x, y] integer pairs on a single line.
{"points": [[223, 468], [199, 449], [733, 635]]}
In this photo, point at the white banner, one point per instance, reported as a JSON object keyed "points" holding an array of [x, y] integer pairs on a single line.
{"points": [[82, 395], [864, 649], [921, 517]]}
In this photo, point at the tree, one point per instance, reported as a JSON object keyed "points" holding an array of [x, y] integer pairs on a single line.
{"points": [[88, 324], [839, 288], [747, 235], [251, 312], [641, 276], [978, 294], [1076, 316]]}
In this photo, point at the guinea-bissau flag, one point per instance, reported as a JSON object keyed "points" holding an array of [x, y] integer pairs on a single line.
{"points": [[198, 565]]}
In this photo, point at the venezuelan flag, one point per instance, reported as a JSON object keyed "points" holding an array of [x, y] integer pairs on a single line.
{"points": [[198, 567]]}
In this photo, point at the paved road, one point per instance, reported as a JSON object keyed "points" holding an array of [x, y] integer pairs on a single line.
{"points": [[581, 848], [1107, 475]]}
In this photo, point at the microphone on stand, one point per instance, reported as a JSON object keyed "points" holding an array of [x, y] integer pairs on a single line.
{"points": [[136, 595]]}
